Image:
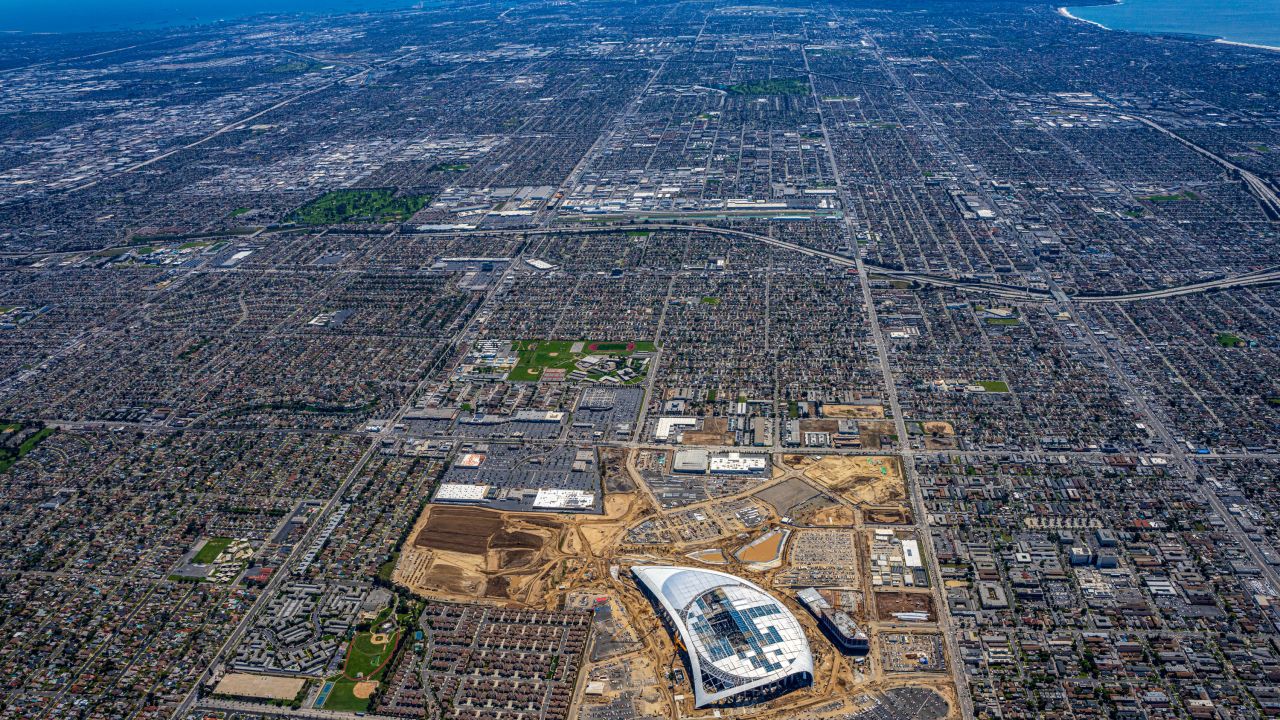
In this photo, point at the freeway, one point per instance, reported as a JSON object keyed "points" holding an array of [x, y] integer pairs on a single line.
{"points": [[1012, 292], [1265, 192], [1257, 186], [1264, 276]]}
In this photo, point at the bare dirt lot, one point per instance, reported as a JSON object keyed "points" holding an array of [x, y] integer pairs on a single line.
{"points": [[939, 435], [875, 432], [862, 479], [937, 427], [260, 686], [613, 469], [461, 529], [858, 412], [765, 549], [817, 425], [459, 552], [601, 534], [888, 603], [888, 515], [715, 431], [475, 552], [825, 516], [713, 556]]}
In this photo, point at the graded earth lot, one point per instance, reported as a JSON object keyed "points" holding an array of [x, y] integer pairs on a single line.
{"points": [[863, 480], [268, 687], [888, 603], [475, 552], [464, 552]]}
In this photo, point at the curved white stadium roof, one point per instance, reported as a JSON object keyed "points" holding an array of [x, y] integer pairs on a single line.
{"points": [[739, 638]]}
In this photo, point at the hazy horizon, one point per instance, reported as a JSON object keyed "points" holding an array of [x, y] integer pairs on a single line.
{"points": [[75, 16]]}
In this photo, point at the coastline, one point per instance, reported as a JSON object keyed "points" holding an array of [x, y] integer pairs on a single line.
{"points": [[1255, 46], [1064, 12]]}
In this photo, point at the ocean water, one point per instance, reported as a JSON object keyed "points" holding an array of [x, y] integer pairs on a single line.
{"points": [[1247, 21], [69, 16]]}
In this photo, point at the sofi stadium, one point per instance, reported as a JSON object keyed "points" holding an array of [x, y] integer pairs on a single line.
{"points": [[742, 645]]}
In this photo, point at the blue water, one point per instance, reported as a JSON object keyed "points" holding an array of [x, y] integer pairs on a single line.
{"points": [[1247, 21], [62, 16]]}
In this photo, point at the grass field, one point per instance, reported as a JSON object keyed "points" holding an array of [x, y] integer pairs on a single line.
{"points": [[1176, 197], [365, 662], [776, 86], [365, 659], [994, 386], [538, 356], [1229, 340], [386, 568], [379, 205], [211, 549], [10, 456], [342, 697], [1003, 321], [297, 66]]}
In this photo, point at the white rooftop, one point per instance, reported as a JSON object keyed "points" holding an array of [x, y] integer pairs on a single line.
{"points": [[562, 499], [460, 492], [739, 637]]}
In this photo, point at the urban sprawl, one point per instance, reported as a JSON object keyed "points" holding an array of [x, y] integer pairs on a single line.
{"points": [[541, 360]]}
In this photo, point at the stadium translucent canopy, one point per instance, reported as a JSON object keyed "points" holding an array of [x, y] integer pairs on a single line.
{"points": [[739, 638]]}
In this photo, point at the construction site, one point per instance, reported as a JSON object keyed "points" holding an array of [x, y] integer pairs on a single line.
{"points": [[810, 534]]}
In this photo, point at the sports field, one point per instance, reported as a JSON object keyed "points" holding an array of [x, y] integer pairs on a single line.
{"points": [[538, 356], [211, 549], [368, 656]]}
